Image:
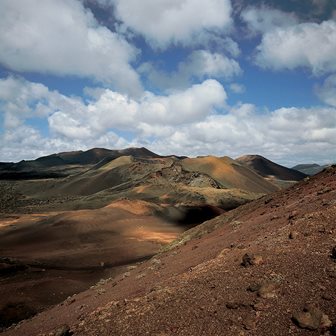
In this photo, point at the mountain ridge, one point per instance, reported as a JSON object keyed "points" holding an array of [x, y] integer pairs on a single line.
{"points": [[267, 168]]}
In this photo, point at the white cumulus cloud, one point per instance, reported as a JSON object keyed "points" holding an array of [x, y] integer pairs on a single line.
{"points": [[91, 123], [263, 19], [327, 91], [63, 38], [183, 107], [286, 135], [193, 121], [309, 45], [164, 22]]}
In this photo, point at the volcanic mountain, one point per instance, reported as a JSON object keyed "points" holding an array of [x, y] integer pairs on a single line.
{"points": [[229, 173], [146, 176], [267, 265], [309, 168], [66, 163], [269, 169]]}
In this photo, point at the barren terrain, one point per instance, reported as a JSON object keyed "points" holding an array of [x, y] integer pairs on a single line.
{"points": [[59, 236], [267, 265]]}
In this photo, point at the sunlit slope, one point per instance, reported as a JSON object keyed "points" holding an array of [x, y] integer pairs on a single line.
{"points": [[229, 173]]}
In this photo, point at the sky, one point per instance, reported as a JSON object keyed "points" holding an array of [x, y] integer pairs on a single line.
{"points": [[184, 77]]}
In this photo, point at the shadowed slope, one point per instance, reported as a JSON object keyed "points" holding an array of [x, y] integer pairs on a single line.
{"points": [[91, 156], [66, 163], [85, 238], [47, 257], [267, 168]]}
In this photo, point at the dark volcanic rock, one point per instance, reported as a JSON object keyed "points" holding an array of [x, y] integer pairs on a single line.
{"points": [[333, 253], [251, 260]]}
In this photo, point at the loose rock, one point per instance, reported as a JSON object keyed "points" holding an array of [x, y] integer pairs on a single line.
{"points": [[63, 331], [293, 235], [265, 290], [333, 253], [251, 260], [292, 215], [249, 323], [235, 305], [312, 318]]}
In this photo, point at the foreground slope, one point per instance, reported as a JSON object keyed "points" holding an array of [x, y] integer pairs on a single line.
{"points": [[266, 266]]}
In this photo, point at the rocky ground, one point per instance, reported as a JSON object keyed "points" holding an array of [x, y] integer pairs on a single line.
{"points": [[266, 267]]}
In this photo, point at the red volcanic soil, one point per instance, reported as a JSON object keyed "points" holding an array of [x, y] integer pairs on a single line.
{"points": [[267, 267]]}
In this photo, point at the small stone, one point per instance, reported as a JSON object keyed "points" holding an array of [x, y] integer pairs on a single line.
{"points": [[267, 290], [251, 260], [325, 322], [292, 215], [333, 253], [101, 291], [141, 275], [331, 271], [156, 261], [293, 235], [333, 329], [260, 306], [63, 331], [232, 305], [249, 323], [70, 300], [253, 287], [126, 275], [327, 297], [268, 200], [311, 318]]}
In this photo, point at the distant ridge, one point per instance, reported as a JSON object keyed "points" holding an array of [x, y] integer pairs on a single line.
{"points": [[94, 155], [267, 168], [60, 164], [309, 168]]}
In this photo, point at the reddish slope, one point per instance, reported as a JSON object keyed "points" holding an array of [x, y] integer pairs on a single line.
{"points": [[199, 287]]}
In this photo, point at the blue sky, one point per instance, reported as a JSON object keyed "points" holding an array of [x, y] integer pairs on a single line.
{"points": [[187, 77]]}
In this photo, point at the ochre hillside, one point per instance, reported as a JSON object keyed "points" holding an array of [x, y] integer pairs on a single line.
{"points": [[229, 173]]}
